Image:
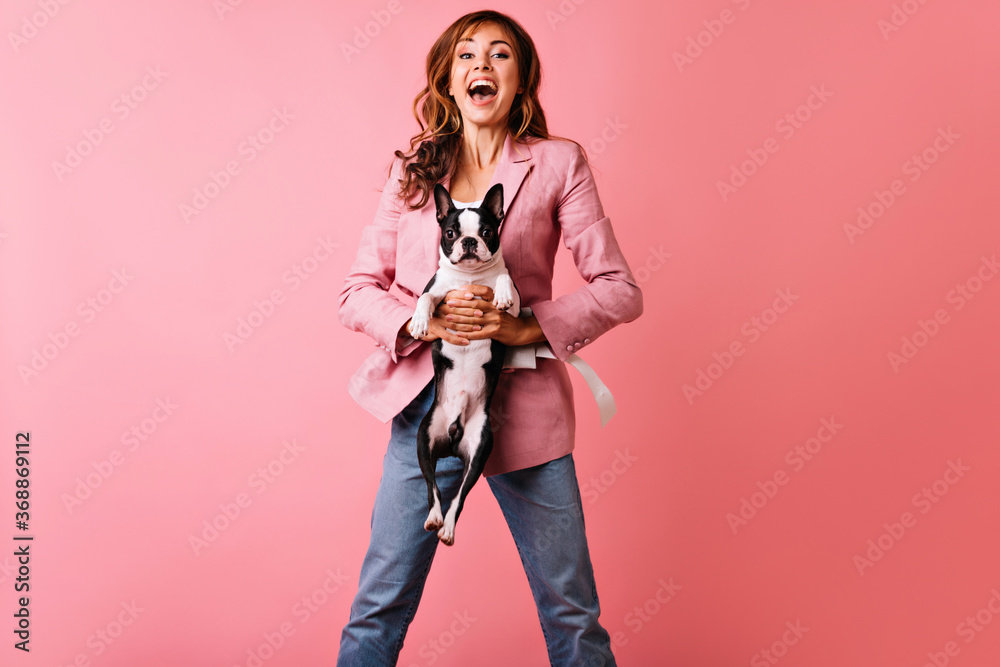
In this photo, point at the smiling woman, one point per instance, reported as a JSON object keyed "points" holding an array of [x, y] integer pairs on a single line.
{"points": [[481, 126], [482, 46]]}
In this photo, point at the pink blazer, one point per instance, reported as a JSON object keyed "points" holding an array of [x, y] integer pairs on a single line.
{"points": [[548, 189]]}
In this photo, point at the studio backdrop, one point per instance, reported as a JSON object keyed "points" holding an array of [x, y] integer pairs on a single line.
{"points": [[803, 466]]}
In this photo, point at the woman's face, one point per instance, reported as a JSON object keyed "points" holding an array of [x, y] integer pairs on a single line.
{"points": [[485, 56]]}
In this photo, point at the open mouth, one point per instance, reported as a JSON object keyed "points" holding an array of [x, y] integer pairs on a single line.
{"points": [[482, 91]]}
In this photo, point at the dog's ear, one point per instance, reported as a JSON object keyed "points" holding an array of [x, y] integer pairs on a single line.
{"points": [[443, 201], [493, 202]]}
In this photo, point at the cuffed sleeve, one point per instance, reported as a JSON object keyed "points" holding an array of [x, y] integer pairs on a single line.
{"points": [[611, 295], [365, 303]]}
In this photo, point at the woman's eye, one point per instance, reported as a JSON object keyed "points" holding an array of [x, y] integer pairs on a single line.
{"points": [[466, 56]]}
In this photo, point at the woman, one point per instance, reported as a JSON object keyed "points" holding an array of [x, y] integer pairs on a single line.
{"points": [[474, 137]]}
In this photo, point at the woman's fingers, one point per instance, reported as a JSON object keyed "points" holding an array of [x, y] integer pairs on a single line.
{"points": [[482, 291], [445, 332]]}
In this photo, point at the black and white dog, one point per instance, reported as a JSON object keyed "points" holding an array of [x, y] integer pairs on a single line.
{"points": [[465, 376]]}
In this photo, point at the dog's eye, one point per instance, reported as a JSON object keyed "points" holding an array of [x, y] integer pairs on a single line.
{"points": [[487, 233], [449, 234]]}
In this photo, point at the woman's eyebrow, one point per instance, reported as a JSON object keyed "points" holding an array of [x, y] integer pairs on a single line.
{"points": [[495, 41]]}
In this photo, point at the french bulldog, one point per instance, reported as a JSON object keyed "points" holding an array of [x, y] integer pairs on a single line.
{"points": [[465, 376]]}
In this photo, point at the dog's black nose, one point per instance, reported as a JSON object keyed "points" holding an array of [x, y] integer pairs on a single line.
{"points": [[469, 243]]}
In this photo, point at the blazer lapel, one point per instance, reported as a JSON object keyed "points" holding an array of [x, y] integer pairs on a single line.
{"points": [[513, 166]]}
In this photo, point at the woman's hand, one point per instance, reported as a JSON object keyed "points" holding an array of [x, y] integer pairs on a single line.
{"points": [[437, 327], [469, 312]]}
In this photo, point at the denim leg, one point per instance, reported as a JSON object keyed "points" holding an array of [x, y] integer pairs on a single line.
{"points": [[400, 551], [544, 511]]}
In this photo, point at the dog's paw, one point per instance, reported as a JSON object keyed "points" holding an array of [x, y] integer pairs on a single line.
{"points": [[502, 302], [434, 521], [502, 297], [503, 293], [418, 325], [447, 534]]}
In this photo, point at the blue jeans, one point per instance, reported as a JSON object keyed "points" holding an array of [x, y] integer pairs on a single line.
{"points": [[543, 509]]}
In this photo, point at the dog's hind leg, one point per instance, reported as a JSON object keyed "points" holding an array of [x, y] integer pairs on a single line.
{"points": [[427, 457], [473, 450]]}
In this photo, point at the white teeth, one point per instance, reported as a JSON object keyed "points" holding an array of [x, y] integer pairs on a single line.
{"points": [[487, 82]]}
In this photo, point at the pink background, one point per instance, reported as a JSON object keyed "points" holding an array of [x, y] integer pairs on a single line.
{"points": [[660, 481]]}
